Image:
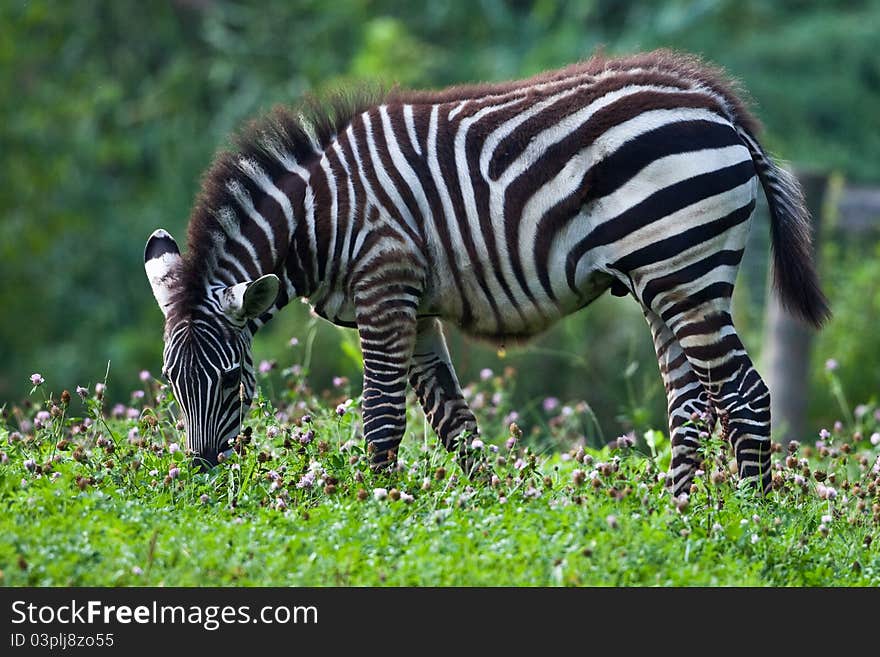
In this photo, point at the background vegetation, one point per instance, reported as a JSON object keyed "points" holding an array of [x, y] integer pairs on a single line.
{"points": [[112, 110]]}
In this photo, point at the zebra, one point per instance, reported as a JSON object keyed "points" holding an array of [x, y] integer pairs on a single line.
{"points": [[500, 208]]}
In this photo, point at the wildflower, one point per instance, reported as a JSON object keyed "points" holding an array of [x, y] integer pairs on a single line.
{"points": [[341, 409], [132, 414], [82, 392], [838, 426], [519, 464], [756, 518], [293, 342], [280, 504], [203, 498], [511, 417], [145, 376], [138, 394], [823, 529], [717, 528], [826, 492], [510, 443], [861, 411], [174, 472], [30, 465], [875, 438], [307, 480], [578, 477], [485, 374], [154, 473], [827, 518], [406, 497], [799, 480], [266, 366], [137, 570], [612, 521], [476, 443], [272, 431], [173, 448], [549, 404], [394, 494], [339, 381], [755, 538], [824, 434], [99, 390], [380, 493], [682, 502], [37, 379], [307, 437], [531, 492], [830, 365], [306, 419]]}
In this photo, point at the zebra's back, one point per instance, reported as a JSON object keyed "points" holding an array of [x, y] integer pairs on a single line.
{"points": [[533, 197]]}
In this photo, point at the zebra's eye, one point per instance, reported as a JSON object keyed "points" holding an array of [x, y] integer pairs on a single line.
{"points": [[231, 377]]}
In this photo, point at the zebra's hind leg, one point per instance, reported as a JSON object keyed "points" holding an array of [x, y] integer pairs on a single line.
{"points": [[688, 405], [705, 331], [385, 306], [433, 378]]}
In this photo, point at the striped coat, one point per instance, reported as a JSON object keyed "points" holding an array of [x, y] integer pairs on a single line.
{"points": [[500, 208]]}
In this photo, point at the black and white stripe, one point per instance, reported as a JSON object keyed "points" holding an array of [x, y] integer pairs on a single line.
{"points": [[500, 208]]}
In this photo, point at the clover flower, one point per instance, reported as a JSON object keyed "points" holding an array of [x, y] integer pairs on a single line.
{"points": [[550, 404], [37, 379]]}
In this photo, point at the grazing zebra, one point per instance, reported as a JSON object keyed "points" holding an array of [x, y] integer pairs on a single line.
{"points": [[500, 208]]}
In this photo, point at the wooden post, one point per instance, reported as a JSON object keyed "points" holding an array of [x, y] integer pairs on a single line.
{"points": [[788, 341]]}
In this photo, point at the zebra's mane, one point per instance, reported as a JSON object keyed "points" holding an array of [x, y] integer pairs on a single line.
{"points": [[286, 136]]}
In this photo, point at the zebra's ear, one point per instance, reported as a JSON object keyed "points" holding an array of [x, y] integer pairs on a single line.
{"points": [[249, 300], [161, 256]]}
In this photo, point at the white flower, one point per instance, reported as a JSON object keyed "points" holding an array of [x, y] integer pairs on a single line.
{"points": [[755, 538], [476, 443], [380, 493]]}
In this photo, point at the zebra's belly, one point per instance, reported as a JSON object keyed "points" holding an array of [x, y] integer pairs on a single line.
{"points": [[517, 313]]}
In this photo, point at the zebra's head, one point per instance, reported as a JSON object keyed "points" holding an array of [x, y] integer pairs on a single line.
{"points": [[207, 356]]}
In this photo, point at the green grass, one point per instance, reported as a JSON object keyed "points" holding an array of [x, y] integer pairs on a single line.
{"points": [[90, 501]]}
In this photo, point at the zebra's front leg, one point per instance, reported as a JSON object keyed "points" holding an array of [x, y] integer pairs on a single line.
{"points": [[433, 378], [386, 317]]}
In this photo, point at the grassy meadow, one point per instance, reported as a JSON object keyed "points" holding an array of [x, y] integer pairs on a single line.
{"points": [[106, 496]]}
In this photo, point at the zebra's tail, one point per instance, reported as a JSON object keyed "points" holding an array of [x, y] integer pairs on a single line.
{"points": [[794, 272]]}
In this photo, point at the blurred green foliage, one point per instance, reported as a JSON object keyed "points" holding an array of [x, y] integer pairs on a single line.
{"points": [[111, 111]]}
